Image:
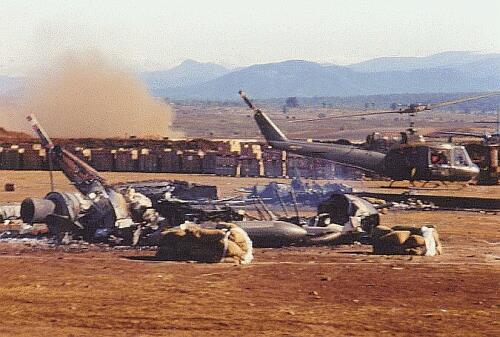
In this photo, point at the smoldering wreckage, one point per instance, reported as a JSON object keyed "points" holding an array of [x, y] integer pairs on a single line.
{"points": [[186, 221]]}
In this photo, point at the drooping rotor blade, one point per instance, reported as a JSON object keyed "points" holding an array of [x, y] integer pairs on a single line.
{"points": [[46, 143], [39, 130], [462, 100], [76, 170]]}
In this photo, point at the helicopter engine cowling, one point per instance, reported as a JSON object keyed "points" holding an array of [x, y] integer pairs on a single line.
{"points": [[77, 210], [66, 204], [36, 210]]}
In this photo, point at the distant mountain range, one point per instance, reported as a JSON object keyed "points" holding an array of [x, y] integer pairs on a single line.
{"points": [[441, 60], [187, 73], [446, 72]]}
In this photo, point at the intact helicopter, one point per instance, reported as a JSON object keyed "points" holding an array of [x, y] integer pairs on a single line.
{"points": [[412, 159], [484, 153]]}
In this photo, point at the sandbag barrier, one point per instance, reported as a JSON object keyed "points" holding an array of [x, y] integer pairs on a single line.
{"points": [[406, 240], [189, 242]]}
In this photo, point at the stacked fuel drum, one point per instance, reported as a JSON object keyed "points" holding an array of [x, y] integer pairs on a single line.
{"points": [[222, 158]]}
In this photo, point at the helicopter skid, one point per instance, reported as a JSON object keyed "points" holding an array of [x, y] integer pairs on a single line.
{"points": [[433, 186]]}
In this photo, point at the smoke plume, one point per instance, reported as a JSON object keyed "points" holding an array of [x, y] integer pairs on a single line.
{"points": [[84, 96]]}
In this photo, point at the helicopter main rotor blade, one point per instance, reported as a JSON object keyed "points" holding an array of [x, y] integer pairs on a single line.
{"points": [[348, 116], [462, 100], [40, 131], [247, 101], [409, 110], [465, 134]]}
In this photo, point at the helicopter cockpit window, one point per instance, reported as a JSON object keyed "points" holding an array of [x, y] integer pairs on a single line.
{"points": [[460, 157], [440, 157]]}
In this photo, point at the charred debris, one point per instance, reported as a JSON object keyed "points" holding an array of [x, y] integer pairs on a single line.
{"points": [[136, 214]]}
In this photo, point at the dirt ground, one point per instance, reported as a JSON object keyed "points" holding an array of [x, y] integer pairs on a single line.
{"points": [[37, 184], [237, 122], [92, 290]]}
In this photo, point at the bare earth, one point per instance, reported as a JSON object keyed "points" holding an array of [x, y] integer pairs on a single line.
{"points": [[237, 122], [323, 291]]}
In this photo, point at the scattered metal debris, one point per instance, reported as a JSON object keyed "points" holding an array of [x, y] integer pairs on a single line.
{"points": [[413, 204], [10, 212], [432, 202], [305, 193]]}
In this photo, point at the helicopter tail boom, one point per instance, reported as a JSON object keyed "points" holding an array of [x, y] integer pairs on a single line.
{"points": [[266, 126], [270, 131]]}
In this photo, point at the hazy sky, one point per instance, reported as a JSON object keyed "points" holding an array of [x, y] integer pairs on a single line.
{"points": [[150, 35]]}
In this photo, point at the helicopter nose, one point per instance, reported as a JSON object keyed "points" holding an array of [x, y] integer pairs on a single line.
{"points": [[474, 170]]}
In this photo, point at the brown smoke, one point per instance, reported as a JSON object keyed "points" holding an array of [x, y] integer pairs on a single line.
{"points": [[85, 96]]}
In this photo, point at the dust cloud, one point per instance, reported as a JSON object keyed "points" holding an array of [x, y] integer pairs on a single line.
{"points": [[85, 96]]}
